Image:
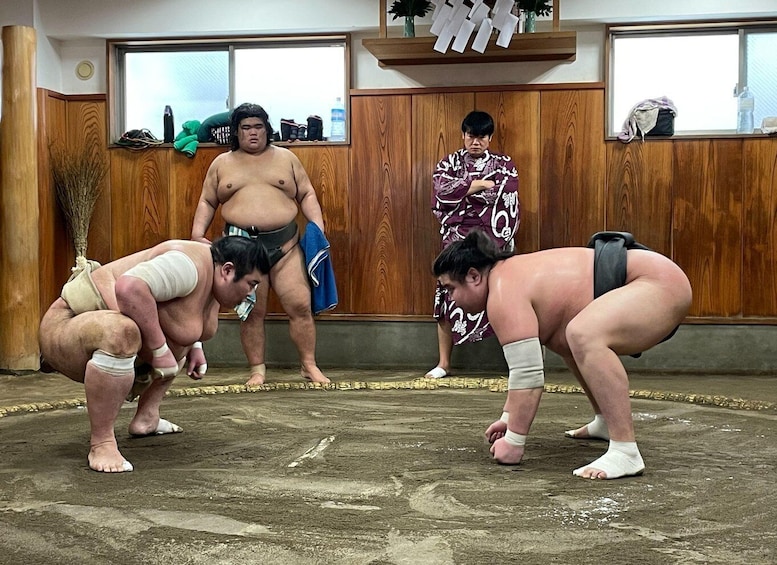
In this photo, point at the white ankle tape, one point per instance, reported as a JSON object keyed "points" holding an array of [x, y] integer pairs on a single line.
{"points": [[161, 350], [515, 439], [115, 366]]}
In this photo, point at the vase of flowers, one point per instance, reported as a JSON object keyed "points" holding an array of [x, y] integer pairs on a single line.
{"points": [[409, 9], [532, 9]]}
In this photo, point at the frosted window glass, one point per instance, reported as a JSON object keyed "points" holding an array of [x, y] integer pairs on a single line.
{"points": [[762, 74], [697, 72], [194, 83], [291, 82]]}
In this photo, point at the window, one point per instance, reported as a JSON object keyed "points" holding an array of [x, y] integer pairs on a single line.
{"points": [[701, 68], [292, 78]]}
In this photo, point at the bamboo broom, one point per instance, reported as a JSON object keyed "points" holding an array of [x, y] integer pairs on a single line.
{"points": [[77, 173]]}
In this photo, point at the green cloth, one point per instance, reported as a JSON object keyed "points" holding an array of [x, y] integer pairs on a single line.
{"points": [[189, 128], [187, 145], [186, 140]]}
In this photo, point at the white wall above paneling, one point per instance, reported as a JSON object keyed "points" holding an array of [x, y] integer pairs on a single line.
{"points": [[188, 18], [73, 30], [129, 18]]}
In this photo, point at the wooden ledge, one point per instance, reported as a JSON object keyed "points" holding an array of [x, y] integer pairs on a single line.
{"points": [[544, 46]]}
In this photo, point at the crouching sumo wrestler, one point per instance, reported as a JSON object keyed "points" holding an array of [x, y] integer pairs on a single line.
{"points": [[153, 308], [589, 305]]}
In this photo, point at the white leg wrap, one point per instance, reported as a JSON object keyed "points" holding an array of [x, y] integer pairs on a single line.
{"points": [[524, 359], [113, 365]]}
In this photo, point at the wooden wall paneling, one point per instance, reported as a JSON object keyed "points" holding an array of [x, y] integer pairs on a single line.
{"points": [[639, 191], [380, 213], [55, 253], [760, 228], [86, 120], [186, 177], [139, 199], [707, 233], [517, 119], [572, 166], [436, 132], [327, 167]]}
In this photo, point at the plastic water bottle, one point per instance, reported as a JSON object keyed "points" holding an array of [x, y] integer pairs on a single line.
{"points": [[337, 132], [746, 105]]}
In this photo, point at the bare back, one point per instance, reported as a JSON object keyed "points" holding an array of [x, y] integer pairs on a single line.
{"points": [[256, 189], [183, 320], [538, 294]]}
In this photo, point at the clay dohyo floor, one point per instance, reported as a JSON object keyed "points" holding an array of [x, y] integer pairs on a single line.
{"points": [[383, 468]]}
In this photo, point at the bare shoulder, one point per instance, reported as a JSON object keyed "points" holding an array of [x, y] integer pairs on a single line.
{"points": [[221, 160], [195, 250], [516, 269], [280, 152], [510, 303], [511, 281]]}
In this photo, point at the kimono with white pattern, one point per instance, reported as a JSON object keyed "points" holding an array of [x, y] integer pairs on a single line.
{"points": [[496, 211]]}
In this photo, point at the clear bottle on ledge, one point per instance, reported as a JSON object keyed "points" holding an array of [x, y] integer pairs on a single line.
{"points": [[337, 132], [745, 108]]}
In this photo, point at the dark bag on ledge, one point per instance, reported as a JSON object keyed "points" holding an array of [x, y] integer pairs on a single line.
{"points": [[664, 125]]}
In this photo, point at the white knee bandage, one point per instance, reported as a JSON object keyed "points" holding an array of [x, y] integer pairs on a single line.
{"points": [[114, 366], [524, 359], [170, 275]]}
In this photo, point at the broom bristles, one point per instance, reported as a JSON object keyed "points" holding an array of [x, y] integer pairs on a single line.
{"points": [[77, 173]]}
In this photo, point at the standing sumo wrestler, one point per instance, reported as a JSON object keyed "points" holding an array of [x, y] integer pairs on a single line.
{"points": [[260, 189]]}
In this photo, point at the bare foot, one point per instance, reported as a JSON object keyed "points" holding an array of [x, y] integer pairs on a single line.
{"points": [[315, 375], [256, 379], [258, 373], [105, 457]]}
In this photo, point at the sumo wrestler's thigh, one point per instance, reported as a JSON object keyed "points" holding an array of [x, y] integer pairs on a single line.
{"points": [[67, 342]]}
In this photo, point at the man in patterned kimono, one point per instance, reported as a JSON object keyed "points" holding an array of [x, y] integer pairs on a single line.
{"points": [[473, 188]]}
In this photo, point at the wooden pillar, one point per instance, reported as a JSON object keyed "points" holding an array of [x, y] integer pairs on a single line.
{"points": [[19, 270], [383, 15]]}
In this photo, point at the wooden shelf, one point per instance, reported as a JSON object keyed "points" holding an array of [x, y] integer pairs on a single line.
{"points": [[544, 46]]}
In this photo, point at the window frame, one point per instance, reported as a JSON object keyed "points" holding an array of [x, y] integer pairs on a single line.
{"points": [[117, 49], [741, 26]]}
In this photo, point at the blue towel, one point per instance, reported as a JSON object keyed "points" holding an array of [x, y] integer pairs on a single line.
{"points": [[319, 265]]}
